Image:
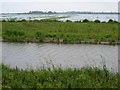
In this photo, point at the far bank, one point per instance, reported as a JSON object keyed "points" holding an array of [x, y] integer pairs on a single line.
{"points": [[53, 31]]}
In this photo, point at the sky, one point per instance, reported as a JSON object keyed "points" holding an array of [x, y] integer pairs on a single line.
{"points": [[12, 6]]}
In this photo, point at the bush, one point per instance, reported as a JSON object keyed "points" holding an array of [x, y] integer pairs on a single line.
{"points": [[115, 21], [23, 20], [85, 20], [97, 21], [68, 21], [110, 21], [3, 20]]}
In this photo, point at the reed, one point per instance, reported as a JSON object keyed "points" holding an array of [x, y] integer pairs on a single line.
{"points": [[58, 77]]}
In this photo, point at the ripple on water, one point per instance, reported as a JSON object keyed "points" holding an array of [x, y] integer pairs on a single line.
{"points": [[67, 55]]}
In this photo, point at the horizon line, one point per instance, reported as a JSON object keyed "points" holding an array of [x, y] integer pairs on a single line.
{"points": [[66, 11]]}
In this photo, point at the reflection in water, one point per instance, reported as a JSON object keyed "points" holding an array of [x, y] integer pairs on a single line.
{"points": [[31, 55]]}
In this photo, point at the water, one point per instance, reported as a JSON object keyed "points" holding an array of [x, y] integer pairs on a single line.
{"points": [[72, 17], [31, 55]]}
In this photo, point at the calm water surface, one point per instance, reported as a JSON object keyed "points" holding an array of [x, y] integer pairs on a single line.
{"points": [[72, 17], [31, 55]]}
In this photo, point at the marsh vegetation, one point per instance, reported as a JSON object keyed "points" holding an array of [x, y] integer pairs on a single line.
{"points": [[57, 77], [51, 30]]}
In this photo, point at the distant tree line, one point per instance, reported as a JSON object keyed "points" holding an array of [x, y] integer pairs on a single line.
{"points": [[70, 12], [41, 12]]}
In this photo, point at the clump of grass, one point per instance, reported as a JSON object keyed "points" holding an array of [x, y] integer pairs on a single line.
{"points": [[14, 36], [57, 77], [40, 36]]}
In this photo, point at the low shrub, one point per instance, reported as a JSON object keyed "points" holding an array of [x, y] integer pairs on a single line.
{"points": [[97, 21], [68, 21], [85, 20]]}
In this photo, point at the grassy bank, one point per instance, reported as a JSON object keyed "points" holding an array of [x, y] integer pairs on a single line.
{"points": [[0, 77], [59, 32], [59, 78]]}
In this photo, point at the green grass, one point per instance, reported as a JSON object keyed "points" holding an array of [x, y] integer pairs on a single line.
{"points": [[59, 78], [54, 31], [0, 77], [0, 29]]}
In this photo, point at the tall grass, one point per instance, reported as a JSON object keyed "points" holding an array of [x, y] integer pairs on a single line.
{"points": [[69, 32], [59, 78], [0, 29], [0, 77]]}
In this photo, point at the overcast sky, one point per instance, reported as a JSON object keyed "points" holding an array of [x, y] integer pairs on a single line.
{"points": [[59, 5]]}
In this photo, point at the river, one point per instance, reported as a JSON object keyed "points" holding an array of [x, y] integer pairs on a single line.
{"points": [[32, 55]]}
